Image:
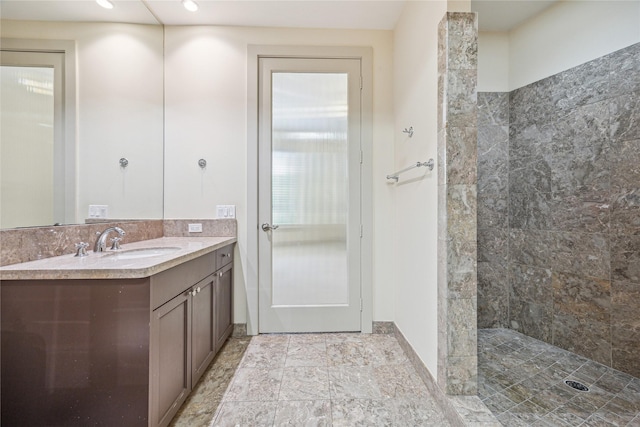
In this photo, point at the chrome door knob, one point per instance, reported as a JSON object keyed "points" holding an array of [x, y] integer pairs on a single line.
{"points": [[266, 227]]}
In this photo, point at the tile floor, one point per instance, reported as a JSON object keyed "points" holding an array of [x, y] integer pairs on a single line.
{"points": [[312, 380], [200, 407], [521, 380]]}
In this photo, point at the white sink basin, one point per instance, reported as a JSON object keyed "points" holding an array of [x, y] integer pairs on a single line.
{"points": [[142, 253]]}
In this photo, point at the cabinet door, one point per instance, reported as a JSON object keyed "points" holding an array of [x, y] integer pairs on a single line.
{"points": [[170, 358], [202, 327], [224, 304]]}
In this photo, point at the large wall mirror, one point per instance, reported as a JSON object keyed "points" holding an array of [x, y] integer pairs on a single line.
{"points": [[82, 111]]}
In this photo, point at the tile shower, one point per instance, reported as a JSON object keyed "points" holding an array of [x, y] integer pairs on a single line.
{"points": [[559, 244], [559, 210]]}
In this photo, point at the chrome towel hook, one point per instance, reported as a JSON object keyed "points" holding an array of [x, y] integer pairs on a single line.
{"points": [[409, 131]]}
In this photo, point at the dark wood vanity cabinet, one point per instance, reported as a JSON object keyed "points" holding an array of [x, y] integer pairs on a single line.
{"points": [[112, 352], [185, 332], [188, 330]]}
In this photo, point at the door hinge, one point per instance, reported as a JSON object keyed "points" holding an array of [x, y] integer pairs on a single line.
{"points": [[361, 230], [360, 304], [361, 157], [360, 82]]}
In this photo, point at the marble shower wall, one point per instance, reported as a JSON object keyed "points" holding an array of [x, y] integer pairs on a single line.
{"points": [[493, 210], [457, 204], [565, 213]]}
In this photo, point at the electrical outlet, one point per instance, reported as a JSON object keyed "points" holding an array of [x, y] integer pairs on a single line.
{"points": [[195, 228], [98, 211]]}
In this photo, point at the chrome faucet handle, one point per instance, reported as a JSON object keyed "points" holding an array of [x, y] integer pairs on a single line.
{"points": [[101, 241], [115, 243], [81, 249]]}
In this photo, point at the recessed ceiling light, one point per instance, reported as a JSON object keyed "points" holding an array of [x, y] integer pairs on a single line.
{"points": [[190, 5], [105, 3]]}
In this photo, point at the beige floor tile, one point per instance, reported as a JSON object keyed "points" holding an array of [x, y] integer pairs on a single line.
{"points": [[345, 379]]}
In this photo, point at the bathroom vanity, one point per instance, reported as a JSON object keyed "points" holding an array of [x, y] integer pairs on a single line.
{"points": [[113, 339]]}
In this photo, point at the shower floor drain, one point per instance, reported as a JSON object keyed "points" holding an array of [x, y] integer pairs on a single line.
{"points": [[578, 386]]}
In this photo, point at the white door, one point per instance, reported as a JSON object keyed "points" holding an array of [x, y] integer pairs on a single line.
{"points": [[309, 195]]}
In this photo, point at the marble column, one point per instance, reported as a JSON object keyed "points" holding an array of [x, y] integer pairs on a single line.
{"points": [[457, 203]]}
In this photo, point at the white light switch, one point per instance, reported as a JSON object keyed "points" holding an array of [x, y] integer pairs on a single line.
{"points": [[226, 211]]}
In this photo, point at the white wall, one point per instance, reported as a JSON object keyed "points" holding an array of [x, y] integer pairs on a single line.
{"points": [[206, 117], [493, 62], [563, 36], [570, 33], [415, 86], [119, 112]]}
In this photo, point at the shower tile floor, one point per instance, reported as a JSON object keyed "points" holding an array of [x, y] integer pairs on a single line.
{"points": [[311, 380], [522, 381]]}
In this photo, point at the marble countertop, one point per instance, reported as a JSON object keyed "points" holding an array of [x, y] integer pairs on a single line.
{"points": [[105, 265]]}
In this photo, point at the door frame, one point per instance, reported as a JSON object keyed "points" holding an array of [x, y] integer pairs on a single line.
{"points": [[365, 55]]}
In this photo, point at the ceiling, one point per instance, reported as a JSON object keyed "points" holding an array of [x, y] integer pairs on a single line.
{"points": [[356, 14], [131, 11], [502, 15]]}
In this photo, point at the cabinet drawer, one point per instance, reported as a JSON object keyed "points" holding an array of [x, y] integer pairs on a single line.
{"points": [[178, 279], [224, 256]]}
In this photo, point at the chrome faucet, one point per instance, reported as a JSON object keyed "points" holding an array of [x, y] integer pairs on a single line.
{"points": [[101, 243]]}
